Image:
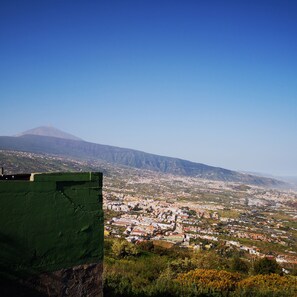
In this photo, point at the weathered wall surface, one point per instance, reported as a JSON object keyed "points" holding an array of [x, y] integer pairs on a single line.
{"points": [[51, 232]]}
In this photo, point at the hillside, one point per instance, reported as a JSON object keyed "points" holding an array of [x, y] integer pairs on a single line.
{"points": [[121, 156], [16, 162]]}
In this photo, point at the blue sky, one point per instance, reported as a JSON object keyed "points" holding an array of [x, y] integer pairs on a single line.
{"points": [[209, 81]]}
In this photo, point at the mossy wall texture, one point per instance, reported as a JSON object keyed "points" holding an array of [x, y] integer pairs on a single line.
{"points": [[50, 222]]}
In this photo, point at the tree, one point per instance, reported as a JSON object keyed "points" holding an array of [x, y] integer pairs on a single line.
{"points": [[123, 248], [239, 265], [266, 266]]}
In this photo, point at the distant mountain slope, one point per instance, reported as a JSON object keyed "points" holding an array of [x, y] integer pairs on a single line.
{"points": [[49, 131], [128, 157], [16, 162]]}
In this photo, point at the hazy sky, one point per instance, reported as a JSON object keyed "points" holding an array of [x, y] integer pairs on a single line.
{"points": [[209, 81]]}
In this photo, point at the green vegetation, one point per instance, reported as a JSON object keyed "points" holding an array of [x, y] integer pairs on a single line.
{"points": [[122, 248], [229, 213], [266, 247], [149, 270], [266, 266], [272, 285], [239, 265]]}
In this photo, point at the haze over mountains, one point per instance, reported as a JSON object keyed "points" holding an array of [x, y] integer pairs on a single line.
{"points": [[49, 140]]}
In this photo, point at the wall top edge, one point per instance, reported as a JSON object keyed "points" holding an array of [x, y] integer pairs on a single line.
{"points": [[54, 177]]}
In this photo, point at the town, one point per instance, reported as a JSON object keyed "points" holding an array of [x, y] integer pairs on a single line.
{"points": [[202, 214]]}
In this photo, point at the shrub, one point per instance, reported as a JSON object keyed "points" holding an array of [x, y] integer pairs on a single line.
{"points": [[266, 266], [239, 265], [210, 260], [210, 280], [272, 285], [122, 248]]}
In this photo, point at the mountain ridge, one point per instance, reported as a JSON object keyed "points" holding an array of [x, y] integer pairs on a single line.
{"points": [[128, 157]]}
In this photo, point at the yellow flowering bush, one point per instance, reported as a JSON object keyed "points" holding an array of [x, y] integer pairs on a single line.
{"points": [[210, 280], [268, 285]]}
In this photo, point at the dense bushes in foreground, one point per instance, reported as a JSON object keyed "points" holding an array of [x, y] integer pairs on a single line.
{"points": [[181, 273]]}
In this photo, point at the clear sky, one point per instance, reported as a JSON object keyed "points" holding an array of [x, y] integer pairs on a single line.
{"points": [[208, 81]]}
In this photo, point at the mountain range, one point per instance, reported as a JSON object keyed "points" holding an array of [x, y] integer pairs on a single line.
{"points": [[49, 140]]}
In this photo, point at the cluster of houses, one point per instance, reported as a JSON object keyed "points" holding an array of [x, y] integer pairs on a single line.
{"points": [[148, 219]]}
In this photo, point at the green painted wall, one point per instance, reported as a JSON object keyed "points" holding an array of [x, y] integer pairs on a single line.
{"points": [[50, 222]]}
